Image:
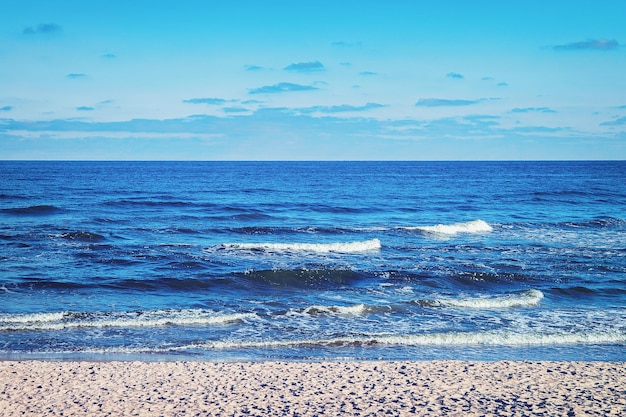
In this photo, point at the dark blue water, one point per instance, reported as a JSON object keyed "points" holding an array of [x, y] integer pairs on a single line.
{"points": [[309, 260]]}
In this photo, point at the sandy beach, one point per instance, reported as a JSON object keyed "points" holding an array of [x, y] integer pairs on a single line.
{"points": [[311, 389]]}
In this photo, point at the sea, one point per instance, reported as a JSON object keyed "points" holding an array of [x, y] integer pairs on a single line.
{"points": [[310, 261]]}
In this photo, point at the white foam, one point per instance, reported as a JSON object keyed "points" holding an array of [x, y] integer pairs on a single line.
{"points": [[505, 339], [340, 247], [353, 310], [474, 226], [6, 290], [182, 320], [32, 318], [452, 339], [431, 339], [528, 298], [157, 318]]}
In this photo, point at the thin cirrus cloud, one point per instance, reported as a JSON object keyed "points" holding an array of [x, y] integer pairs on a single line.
{"points": [[533, 109], [455, 75], [590, 44], [442, 102], [344, 44], [282, 88], [305, 67], [205, 100], [499, 84], [75, 76], [341, 108], [85, 108], [617, 122], [235, 109], [42, 29], [254, 68]]}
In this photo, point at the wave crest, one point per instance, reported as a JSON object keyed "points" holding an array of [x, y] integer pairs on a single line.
{"points": [[431, 339], [37, 210], [302, 277], [154, 318], [340, 247], [319, 310], [528, 298], [474, 226]]}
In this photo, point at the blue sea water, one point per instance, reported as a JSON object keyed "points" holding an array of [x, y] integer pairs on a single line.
{"points": [[313, 260]]}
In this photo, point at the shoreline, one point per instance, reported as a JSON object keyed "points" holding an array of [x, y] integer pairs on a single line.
{"points": [[350, 388]]}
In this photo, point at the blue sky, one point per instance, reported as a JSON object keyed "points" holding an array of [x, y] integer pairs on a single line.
{"points": [[209, 80]]}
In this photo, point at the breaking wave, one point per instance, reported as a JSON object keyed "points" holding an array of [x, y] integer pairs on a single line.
{"points": [[340, 247], [430, 339], [474, 226], [82, 235], [319, 310], [154, 318], [529, 298]]}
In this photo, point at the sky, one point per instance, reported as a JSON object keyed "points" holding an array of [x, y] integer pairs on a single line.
{"points": [[312, 80]]}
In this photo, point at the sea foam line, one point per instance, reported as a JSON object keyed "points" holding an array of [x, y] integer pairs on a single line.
{"points": [[351, 310], [474, 226], [528, 298], [430, 339], [32, 318], [157, 318], [452, 339], [340, 247]]}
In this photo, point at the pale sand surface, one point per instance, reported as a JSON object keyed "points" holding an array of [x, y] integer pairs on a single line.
{"points": [[450, 388]]}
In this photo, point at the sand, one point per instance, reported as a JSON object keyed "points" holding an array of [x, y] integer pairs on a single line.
{"points": [[437, 388]]}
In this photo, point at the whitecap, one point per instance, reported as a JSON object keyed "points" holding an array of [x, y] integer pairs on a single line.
{"points": [[33, 318], [528, 298], [474, 226], [155, 318], [339, 247], [352, 310], [427, 339]]}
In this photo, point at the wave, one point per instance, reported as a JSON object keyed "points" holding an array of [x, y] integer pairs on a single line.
{"points": [[148, 203], [276, 230], [448, 339], [341, 247], [442, 230], [301, 277], [428, 339], [529, 298], [155, 318], [320, 310], [12, 197], [37, 210], [559, 193], [166, 283], [474, 226], [599, 223], [82, 235]]}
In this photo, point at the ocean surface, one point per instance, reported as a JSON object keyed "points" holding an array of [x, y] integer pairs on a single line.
{"points": [[313, 260]]}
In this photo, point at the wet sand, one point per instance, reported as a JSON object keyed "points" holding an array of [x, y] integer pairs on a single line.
{"points": [[436, 388]]}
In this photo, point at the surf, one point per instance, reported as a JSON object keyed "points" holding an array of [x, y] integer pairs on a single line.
{"points": [[123, 319], [428, 339], [472, 227], [337, 247], [529, 298]]}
